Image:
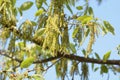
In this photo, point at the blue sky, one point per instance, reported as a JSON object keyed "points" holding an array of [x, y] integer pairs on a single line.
{"points": [[109, 10]]}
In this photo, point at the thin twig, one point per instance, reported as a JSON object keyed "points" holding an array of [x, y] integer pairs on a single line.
{"points": [[52, 64]]}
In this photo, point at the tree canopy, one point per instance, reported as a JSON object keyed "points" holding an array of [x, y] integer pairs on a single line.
{"points": [[53, 38]]}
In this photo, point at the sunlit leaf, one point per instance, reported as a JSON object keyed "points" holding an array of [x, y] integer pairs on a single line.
{"points": [[26, 5], [27, 62], [106, 56], [84, 19], [39, 12]]}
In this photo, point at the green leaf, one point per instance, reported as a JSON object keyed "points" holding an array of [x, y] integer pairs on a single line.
{"points": [[87, 32], [72, 46], [83, 51], [26, 5], [90, 10], [92, 66], [27, 62], [79, 7], [40, 32], [104, 69], [1, 2], [39, 12], [38, 77], [104, 30], [20, 11], [75, 32], [15, 11], [33, 23], [118, 49], [96, 69], [84, 19], [106, 56], [97, 56], [69, 8], [13, 2], [109, 27], [39, 3]]}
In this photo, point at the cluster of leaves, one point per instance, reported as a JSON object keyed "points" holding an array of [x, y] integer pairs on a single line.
{"points": [[50, 34], [18, 76]]}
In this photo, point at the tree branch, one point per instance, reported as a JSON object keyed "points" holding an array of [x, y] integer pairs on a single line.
{"points": [[4, 53], [68, 56], [47, 60], [91, 60]]}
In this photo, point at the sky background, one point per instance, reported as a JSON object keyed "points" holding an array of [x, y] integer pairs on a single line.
{"points": [[109, 10]]}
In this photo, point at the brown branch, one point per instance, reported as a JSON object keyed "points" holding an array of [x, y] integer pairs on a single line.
{"points": [[4, 53], [68, 56], [47, 60], [91, 60]]}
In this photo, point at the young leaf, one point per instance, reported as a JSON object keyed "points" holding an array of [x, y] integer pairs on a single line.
{"points": [[27, 62], [104, 69], [39, 3], [97, 56], [20, 11], [84, 19], [26, 5], [106, 56], [92, 66], [118, 48], [79, 7], [40, 32], [83, 51], [38, 77], [104, 30], [90, 10], [75, 32], [39, 12], [109, 27], [96, 69], [33, 23], [72, 46]]}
